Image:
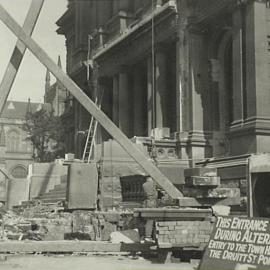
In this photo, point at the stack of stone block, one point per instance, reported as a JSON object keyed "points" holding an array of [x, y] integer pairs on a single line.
{"points": [[183, 233], [111, 192]]}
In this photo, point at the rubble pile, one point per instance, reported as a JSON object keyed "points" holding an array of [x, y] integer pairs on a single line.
{"points": [[50, 223], [16, 227]]}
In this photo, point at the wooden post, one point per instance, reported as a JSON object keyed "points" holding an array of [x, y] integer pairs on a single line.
{"points": [[90, 106], [18, 53]]}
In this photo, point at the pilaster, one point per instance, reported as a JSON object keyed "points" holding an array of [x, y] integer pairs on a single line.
{"points": [[258, 94], [253, 135], [197, 145], [237, 47]]}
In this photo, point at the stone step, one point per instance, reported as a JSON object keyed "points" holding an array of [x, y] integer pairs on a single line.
{"points": [[64, 180], [27, 203], [59, 186], [51, 196], [52, 200], [72, 246], [56, 192]]}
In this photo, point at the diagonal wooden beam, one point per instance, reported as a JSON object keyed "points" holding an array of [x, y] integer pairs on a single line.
{"points": [[90, 106], [18, 52], [6, 174]]}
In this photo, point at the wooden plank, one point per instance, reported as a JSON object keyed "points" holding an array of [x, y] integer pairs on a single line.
{"points": [[172, 213], [70, 246], [6, 174], [18, 53], [90, 106]]}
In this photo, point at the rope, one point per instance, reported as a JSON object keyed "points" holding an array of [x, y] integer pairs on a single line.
{"points": [[112, 177], [153, 67]]}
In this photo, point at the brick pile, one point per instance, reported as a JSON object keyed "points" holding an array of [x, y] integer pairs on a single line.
{"points": [[183, 233]]}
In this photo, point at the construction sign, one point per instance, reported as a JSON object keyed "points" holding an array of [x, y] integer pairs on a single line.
{"points": [[238, 243]]}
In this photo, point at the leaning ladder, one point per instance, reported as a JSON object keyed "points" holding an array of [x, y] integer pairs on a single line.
{"points": [[90, 140]]}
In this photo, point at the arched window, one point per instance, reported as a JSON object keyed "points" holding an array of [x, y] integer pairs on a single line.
{"points": [[19, 172], [13, 141]]}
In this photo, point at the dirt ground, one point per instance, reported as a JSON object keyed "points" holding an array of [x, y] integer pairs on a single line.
{"points": [[69, 262]]}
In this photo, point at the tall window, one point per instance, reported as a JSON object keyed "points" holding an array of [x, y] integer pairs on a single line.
{"points": [[13, 141]]}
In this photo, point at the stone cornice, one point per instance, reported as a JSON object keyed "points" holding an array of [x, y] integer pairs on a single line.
{"points": [[137, 27], [254, 125], [225, 161]]}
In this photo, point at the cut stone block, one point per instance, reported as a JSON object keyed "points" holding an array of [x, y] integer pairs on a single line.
{"points": [[128, 236], [211, 181], [216, 193], [82, 186], [204, 172], [224, 193]]}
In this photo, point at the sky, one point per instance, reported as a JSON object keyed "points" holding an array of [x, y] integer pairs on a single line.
{"points": [[30, 80]]}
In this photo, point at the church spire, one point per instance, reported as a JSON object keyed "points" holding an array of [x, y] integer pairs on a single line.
{"points": [[47, 81], [29, 109], [59, 64]]}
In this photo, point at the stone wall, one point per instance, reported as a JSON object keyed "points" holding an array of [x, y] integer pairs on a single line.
{"points": [[17, 192], [44, 176]]}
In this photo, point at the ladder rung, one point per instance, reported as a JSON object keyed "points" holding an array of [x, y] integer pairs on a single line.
{"points": [[89, 144]]}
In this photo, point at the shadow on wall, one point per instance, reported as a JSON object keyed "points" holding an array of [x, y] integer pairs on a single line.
{"points": [[41, 178], [44, 176]]}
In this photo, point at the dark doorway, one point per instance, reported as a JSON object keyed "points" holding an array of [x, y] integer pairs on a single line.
{"points": [[261, 194]]}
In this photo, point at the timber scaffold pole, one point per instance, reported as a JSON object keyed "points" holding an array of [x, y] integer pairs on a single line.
{"points": [[90, 106], [18, 52]]}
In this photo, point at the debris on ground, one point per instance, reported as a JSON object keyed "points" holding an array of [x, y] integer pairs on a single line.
{"points": [[40, 221]]}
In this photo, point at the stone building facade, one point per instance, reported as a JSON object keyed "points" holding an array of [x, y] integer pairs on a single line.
{"points": [[192, 74], [16, 153]]}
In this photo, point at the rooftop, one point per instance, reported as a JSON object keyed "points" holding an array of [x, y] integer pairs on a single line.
{"points": [[18, 109]]}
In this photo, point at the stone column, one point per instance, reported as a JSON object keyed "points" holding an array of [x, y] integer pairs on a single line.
{"points": [[115, 6], [255, 83], [237, 67], [197, 75], [196, 49], [104, 11], [93, 16], [257, 78], [161, 109], [124, 116], [116, 99], [150, 97], [138, 102], [182, 60], [124, 5]]}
